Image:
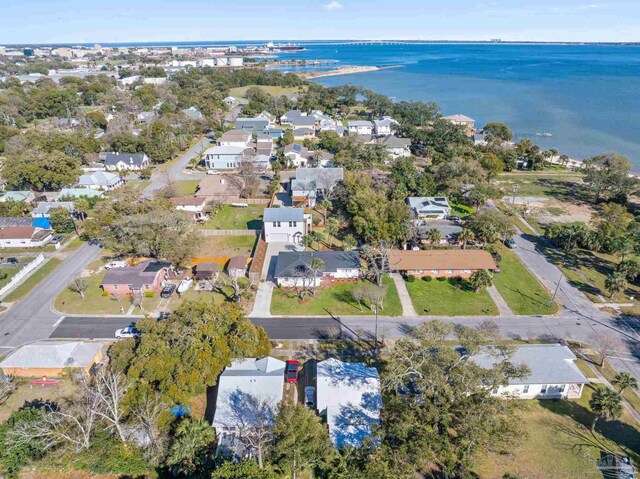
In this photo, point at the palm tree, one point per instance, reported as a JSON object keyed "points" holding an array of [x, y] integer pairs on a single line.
{"points": [[434, 236], [465, 236], [615, 283], [192, 448], [480, 279], [332, 230], [624, 380], [605, 403]]}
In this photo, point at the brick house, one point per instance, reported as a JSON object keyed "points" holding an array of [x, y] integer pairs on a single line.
{"points": [[443, 263], [145, 277]]}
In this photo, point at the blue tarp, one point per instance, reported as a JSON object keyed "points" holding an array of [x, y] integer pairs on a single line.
{"points": [[43, 223]]}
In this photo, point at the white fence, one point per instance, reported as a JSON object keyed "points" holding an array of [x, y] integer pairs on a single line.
{"points": [[23, 273], [230, 232]]}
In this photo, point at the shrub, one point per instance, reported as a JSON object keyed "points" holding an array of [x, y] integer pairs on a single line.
{"points": [[410, 278], [104, 293], [149, 294], [442, 278], [317, 221], [427, 278]]}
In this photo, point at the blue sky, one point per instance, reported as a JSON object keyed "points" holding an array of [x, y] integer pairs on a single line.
{"points": [[53, 21]]}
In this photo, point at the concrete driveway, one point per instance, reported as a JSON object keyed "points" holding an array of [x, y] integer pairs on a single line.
{"points": [[273, 249]]}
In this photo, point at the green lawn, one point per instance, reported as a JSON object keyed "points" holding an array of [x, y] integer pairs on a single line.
{"points": [[337, 299], [556, 442], [95, 303], [10, 271], [520, 289], [235, 218], [462, 210], [240, 92], [226, 246], [560, 185], [441, 298], [33, 280], [185, 187]]}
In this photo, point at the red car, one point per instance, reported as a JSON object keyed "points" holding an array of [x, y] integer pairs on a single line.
{"points": [[291, 372]]}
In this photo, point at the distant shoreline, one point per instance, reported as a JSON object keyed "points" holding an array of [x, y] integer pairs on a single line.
{"points": [[345, 70]]}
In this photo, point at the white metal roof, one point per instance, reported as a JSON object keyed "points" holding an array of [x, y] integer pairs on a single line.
{"points": [[52, 354]]}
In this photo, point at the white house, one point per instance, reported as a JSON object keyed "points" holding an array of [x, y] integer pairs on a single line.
{"points": [[247, 394], [384, 125], [293, 268], [237, 138], [285, 225], [553, 373], [396, 147], [297, 154], [429, 207], [360, 127], [193, 205], [100, 180], [126, 161], [311, 183], [223, 157], [43, 208], [349, 397], [24, 237]]}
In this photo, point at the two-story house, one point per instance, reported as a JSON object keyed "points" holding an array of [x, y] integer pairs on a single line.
{"points": [[360, 127], [285, 225]]}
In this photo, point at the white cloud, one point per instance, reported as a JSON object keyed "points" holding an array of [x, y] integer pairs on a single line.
{"points": [[334, 5], [590, 6]]}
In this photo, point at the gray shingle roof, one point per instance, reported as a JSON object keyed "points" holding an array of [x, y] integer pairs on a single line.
{"points": [[136, 277], [112, 159], [15, 221], [283, 214], [289, 263], [548, 363]]}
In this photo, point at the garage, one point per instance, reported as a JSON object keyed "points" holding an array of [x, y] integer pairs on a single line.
{"points": [[277, 238]]}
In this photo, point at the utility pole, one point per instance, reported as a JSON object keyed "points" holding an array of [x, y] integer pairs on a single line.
{"points": [[556, 290], [376, 330]]}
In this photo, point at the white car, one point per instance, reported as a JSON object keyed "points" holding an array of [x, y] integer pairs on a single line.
{"points": [[116, 264], [212, 172], [128, 332], [310, 397]]}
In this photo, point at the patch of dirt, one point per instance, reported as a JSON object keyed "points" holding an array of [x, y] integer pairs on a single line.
{"points": [[554, 211]]}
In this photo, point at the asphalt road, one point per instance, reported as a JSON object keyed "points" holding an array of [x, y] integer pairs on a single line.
{"points": [[91, 327], [32, 318]]}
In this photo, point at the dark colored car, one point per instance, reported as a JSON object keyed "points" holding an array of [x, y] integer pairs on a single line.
{"points": [[510, 244], [12, 261], [167, 291], [291, 372], [163, 315], [56, 239]]}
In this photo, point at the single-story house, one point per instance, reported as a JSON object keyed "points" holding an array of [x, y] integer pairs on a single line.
{"points": [[285, 225], [223, 157], [205, 270], [460, 119], [43, 208], [349, 397], [79, 193], [238, 138], [126, 161], [193, 113], [247, 394], [100, 180], [24, 236], [220, 188], [237, 266], [553, 373], [148, 276], [396, 147], [429, 207], [21, 196], [384, 125], [193, 205], [251, 124], [360, 127], [50, 358], [441, 263], [293, 268]]}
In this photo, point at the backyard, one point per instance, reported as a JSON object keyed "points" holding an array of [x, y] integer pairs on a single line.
{"points": [[449, 297], [8, 271], [556, 441], [236, 218], [226, 246], [185, 187], [520, 289], [336, 299]]}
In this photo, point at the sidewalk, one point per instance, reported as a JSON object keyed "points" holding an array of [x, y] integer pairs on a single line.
{"points": [[503, 307], [405, 300], [262, 304]]}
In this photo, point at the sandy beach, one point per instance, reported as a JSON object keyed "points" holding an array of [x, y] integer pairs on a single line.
{"points": [[345, 70]]}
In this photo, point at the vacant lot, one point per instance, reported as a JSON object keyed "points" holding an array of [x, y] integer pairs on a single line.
{"points": [[185, 187], [449, 298], [337, 299], [27, 394], [559, 184], [236, 218], [271, 90], [557, 443], [226, 246], [520, 289]]}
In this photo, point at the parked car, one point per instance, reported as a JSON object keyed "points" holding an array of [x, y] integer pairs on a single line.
{"points": [[310, 396], [10, 262], [128, 332], [510, 243], [56, 239], [291, 374], [212, 172], [167, 291], [116, 264], [163, 315]]}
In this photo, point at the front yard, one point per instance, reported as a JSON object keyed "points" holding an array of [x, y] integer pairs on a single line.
{"points": [[337, 299], [449, 298], [556, 441], [520, 289], [235, 218], [185, 187]]}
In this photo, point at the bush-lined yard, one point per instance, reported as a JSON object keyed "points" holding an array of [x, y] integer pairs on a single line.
{"points": [[449, 298], [520, 289], [337, 299]]}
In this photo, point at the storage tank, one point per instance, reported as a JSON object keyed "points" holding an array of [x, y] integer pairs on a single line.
{"points": [[236, 61], [222, 62]]}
